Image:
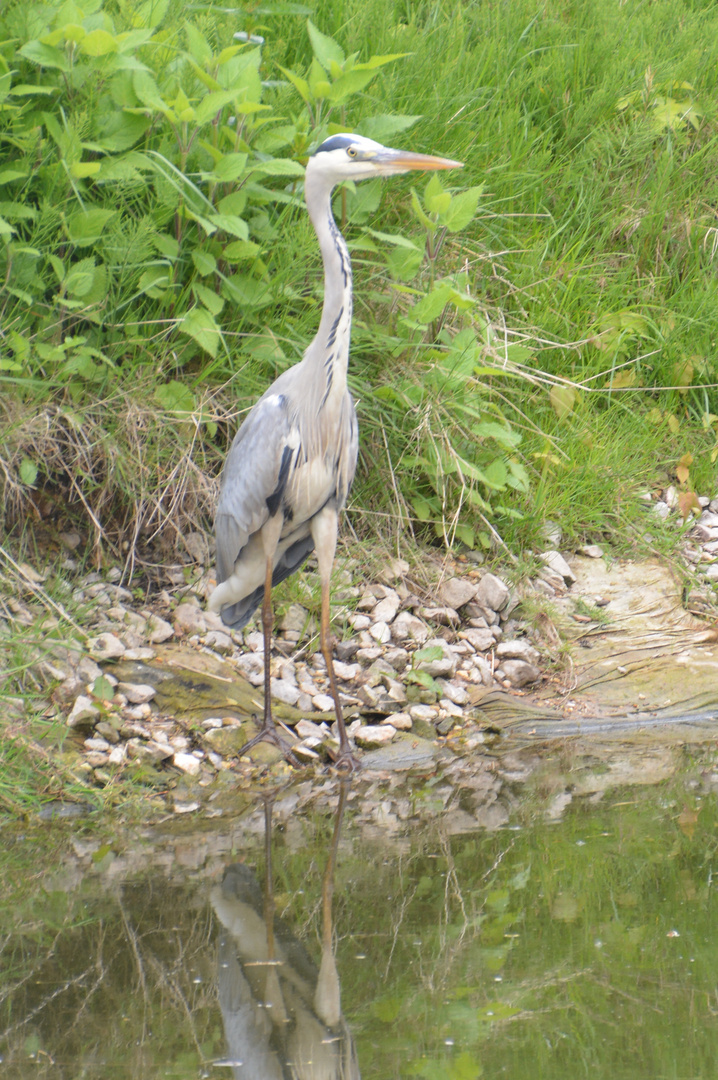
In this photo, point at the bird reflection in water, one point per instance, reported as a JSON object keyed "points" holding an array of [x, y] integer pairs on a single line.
{"points": [[282, 1016]]}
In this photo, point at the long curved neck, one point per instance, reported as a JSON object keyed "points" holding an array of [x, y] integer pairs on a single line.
{"points": [[330, 348]]}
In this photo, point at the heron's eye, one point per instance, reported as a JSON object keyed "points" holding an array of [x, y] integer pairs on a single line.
{"points": [[351, 151]]}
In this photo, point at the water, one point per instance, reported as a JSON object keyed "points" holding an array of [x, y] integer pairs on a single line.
{"points": [[579, 938]]}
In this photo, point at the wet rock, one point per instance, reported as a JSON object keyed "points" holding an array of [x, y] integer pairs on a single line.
{"points": [[492, 593], [519, 673], [158, 630], [84, 713], [136, 693], [372, 736], [456, 592], [105, 647], [519, 649], [407, 627], [556, 562]]}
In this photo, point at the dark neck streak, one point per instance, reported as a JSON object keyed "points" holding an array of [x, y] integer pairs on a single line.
{"points": [[328, 354]]}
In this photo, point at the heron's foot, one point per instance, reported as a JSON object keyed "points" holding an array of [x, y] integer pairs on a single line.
{"points": [[345, 762], [268, 733]]}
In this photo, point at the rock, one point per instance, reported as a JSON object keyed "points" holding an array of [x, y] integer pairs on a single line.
{"points": [[386, 609], [371, 736], [346, 650], [445, 665], [445, 616], [138, 712], [219, 641], [197, 547], [492, 593], [427, 713], [188, 763], [189, 619], [107, 731], [400, 721], [482, 640], [296, 619], [406, 627], [306, 729], [378, 671], [592, 551], [136, 693], [393, 570], [105, 647], [519, 673], [661, 510], [556, 562], [346, 672], [84, 713], [285, 691], [397, 658], [455, 592], [519, 649], [142, 653], [359, 622], [369, 655], [96, 744], [323, 702], [551, 533], [453, 691], [158, 630], [380, 632]]}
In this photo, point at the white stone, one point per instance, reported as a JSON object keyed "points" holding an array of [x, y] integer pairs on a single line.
{"points": [[558, 564], [445, 616], [492, 592], [188, 763], [386, 609], [445, 665], [519, 649], [519, 673], [455, 592], [400, 721], [136, 693], [285, 691], [83, 713], [359, 622], [373, 735], [158, 630], [346, 672], [393, 570], [219, 641], [305, 729], [380, 632], [482, 640], [592, 551], [661, 509], [423, 712], [323, 702], [406, 627], [97, 744], [105, 647]]}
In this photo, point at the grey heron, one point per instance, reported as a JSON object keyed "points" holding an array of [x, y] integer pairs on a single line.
{"points": [[292, 462]]}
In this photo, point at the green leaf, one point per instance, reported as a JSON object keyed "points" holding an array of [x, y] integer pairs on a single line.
{"points": [[433, 652], [230, 167], [45, 55], [80, 278], [436, 200], [28, 472], [204, 262], [82, 169], [86, 227], [418, 210], [211, 300], [489, 429], [423, 678], [238, 250], [98, 43], [299, 84], [103, 689], [213, 103], [462, 209], [17, 171], [278, 167], [384, 127], [175, 397], [149, 14], [563, 399], [198, 45], [324, 48], [200, 325], [351, 82]]}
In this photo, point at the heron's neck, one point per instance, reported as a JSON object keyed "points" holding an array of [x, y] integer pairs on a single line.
{"points": [[330, 348]]}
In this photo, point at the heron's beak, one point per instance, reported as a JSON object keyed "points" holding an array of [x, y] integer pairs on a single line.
{"points": [[389, 161]]}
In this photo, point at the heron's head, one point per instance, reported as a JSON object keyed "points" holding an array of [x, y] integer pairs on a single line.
{"points": [[353, 157]]}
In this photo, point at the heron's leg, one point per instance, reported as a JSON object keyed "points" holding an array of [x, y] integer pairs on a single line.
{"points": [[324, 531], [268, 731]]}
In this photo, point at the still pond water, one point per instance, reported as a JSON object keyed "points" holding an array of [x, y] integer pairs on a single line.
{"points": [[382, 938]]}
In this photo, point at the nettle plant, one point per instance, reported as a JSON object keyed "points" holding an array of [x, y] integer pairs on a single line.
{"points": [[145, 168]]}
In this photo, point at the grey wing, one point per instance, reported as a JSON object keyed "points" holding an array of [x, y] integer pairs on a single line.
{"points": [[254, 477]]}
